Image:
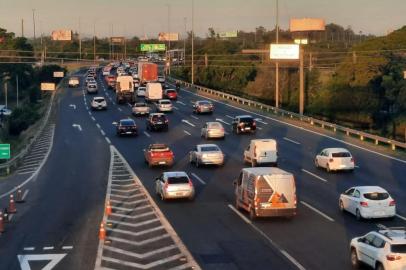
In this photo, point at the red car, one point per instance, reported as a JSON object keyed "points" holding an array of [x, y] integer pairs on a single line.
{"points": [[111, 81], [171, 94], [158, 154]]}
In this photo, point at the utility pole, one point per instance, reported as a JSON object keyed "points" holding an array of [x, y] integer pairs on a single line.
{"points": [[169, 39], [35, 38], [301, 75], [22, 27], [17, 88], [193, 46], [184, 43], [277, 62], [94, 42], [80, 42], [5, 92]]}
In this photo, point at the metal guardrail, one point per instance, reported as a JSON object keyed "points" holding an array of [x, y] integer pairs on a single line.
{"points": [[310, 120], [17, 159]]}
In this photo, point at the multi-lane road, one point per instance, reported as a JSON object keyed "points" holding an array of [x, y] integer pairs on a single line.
{"points": [[65, 205]]}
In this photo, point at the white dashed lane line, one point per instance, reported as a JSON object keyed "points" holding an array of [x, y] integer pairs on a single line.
{"points": [[102, 132], [107, 140], [94, 119], [317, 211], [147, 134], [198, 179], [228, 116], [314, 175], [29, 248], [119, 109], [188, 133], [194, 117], [290, 140], [48, 248]]}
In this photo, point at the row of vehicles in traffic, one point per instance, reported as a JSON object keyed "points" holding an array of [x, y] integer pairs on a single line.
{"points": [[262, 189]]}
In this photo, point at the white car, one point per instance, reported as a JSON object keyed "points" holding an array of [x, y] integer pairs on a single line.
{"points": [[92, 88], [73, 82], [206, 154], [212, 130], [382, 250], [368, 202], [174, 185], [141, 91], [164, 105], [140, 108], [335, 159], [99, 103], [161, 79]]}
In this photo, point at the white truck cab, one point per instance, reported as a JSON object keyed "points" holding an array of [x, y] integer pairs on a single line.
{"points": [[261, 151]]}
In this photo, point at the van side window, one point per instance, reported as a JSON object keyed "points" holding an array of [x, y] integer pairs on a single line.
{"points": [[239, 180], [249, 146]]}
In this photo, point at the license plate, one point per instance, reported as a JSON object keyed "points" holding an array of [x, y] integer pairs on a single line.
{"points": [[179, 193], [247, 128], [342, 166], [378, 213], [162, 162], [159, 123], [128, 132], [265, 205]]}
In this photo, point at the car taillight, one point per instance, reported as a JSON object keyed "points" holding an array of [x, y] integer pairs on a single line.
{"points": [[352, 160], [254, 124], [363, 204], [166, 186], [241, 124], [152, 154], [392, 203], [190, 183], [222, 129], [166, 121], [331, 160], [393, 257], [257, 200]]}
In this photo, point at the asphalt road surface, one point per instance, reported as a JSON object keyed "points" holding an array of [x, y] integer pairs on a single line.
{"points": [[65, 204]]}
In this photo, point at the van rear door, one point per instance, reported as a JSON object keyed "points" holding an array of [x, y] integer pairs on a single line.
{"points": [[277, 191]]}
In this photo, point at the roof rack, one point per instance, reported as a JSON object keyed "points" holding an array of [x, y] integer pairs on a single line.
{"points": [[390, 229]]}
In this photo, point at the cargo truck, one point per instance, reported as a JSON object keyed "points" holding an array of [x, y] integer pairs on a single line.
{"points": [[125, 89], [147, 72]]}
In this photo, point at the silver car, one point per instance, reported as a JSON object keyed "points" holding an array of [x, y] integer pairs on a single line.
{"points": [[212, 130], [206, 154], [174, 185], [141, 91], [92, 88], [140, 108], [99, 103], [164, 105]]}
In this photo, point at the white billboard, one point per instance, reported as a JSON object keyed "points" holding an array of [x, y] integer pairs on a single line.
{"points": [[48, 86], [284, 52], [64, 35], [168, 36], [307, 24]]}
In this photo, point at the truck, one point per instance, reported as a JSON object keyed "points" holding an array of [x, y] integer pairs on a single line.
{"points": [[153, 92], [147, 72], [125, 89]]}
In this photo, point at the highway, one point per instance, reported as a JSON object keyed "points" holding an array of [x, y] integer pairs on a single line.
{"points": [[65, 205]]}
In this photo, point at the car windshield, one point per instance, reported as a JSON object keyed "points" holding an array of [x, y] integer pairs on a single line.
{"points": [[209, 148], [165, 102], [127, 122], [246, 119], [140, 105], [341, 154], [204, 103], [159, 147], [178, 180], [99, 99], [215, 125], [141, 88], [170, 91], [398, 248], [158, 118], [376, 196]]}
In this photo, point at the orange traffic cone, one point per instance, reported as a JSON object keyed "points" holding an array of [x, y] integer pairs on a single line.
{"points": [[102, 232], [12, 206], [1, 223], [19, 197], [108, 208]]}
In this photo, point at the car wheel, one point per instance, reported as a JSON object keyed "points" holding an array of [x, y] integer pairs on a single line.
{"points": [[197, 163], [237, 130], [162, 196], [316, 163], [252, 213], [354, 259], [379, 266], [253, 163], [358, 214], [341, 205], [237, 204], [206, 137], [328, 168]]}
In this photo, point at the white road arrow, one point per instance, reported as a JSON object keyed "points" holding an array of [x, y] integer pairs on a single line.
{"points": [[73, 106], [53, 258], [77, 126], [187, 122]]}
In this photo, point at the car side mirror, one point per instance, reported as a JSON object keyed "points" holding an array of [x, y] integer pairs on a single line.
{"points": [[115, 123]]}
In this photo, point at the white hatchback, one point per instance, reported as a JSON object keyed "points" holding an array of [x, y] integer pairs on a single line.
{"points": [[335, 159], [368, 202], [164, 105]]}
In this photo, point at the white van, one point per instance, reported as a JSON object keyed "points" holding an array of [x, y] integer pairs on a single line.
{"points": [[153, 92], [261, 151], [266, 192]]}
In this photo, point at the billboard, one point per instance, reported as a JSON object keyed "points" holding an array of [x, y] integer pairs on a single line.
{"points": [[228, 34], [63, 35], [58, 74], [152, 47], [48, 86], [307, 24], [168, 36], [117, 40], [284, 52]]}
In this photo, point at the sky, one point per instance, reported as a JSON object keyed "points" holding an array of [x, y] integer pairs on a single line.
{"points": [[138, 17]]}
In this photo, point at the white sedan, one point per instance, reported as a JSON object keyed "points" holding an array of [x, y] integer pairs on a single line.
{"points": [[335, 159], [368, 202], [206, 154]]}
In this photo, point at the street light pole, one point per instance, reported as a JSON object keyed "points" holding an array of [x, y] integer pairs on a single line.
{"points": [[277, 63], [17, 88], [169, 39], [184, 43], [193, 46], [33, 21], [94, 42]]}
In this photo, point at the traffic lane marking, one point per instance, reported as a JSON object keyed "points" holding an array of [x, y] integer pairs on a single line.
{"points": [[187, 122], [188, 133], [401, 217], [147, 134], [314, 175], [290, 140], [282, 251], [222, 121], [298, 127], [317, 211], [198, 178], [194, 117]]}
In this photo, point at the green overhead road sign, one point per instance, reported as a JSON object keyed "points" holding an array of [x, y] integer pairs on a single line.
{"points": [[4, 151], [153, 47]]}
